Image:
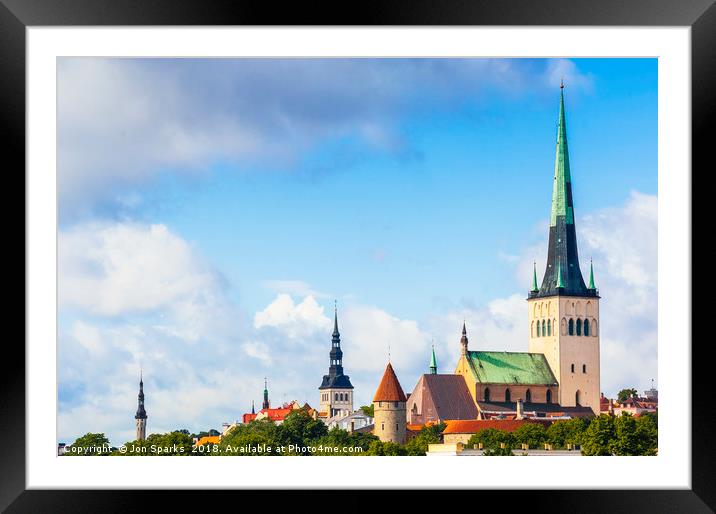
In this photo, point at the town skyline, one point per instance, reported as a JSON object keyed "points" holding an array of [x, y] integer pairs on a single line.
{"points": [[199, 323]]}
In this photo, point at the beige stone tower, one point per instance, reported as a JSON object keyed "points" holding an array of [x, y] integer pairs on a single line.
{"points": [[564, 320], [389, 409]]}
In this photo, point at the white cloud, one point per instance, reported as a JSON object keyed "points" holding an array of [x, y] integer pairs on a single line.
{"points": [[117, 269], [296, 321]]}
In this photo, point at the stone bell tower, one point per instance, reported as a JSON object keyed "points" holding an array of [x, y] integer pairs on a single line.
{"points": [[564, 312], [336, 390]]}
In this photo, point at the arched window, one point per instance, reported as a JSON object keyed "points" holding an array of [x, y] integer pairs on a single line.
{"points": [[579, 327], [571, 327], [549, 327], [549, 396], [576, 398], [544, 328], [508, 396], [538, 328], [564, 326], [586, 327], [594, 328], [532, 329], [528, 396], [584, 368], [336, 396], [572, 368], [487, 394]]}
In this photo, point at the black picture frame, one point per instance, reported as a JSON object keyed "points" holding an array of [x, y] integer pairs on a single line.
{"points": [[17, 15]]}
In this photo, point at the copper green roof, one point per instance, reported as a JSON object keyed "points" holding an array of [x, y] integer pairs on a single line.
{"points": [[433, 363], [535, 287], [591, 275], [510, 368]]}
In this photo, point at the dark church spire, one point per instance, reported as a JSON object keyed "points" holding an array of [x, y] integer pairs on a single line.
{"points": [[141, 413], [562, 275], [463, 339], [335, 377]]}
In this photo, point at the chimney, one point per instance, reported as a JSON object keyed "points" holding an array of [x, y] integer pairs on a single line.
{"points": [[520, 409]]}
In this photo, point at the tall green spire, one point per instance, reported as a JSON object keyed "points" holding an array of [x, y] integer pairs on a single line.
{"points": [[561, 201], [562, 275], [535, 287], [591, 275], [559, 275], [433, 363]]}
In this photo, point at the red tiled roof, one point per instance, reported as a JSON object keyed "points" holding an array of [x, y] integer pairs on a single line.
{"points": [[470, 426], [247, 418], [389, 389]]}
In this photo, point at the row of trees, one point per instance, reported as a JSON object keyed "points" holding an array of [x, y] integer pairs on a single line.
{"points": [[603, 435], [299, 434]]}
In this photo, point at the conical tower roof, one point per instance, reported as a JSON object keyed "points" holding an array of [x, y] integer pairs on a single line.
{"points": [[389, 389]]}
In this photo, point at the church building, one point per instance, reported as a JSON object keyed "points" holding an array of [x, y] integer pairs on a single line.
{"points": [[561, 369]]}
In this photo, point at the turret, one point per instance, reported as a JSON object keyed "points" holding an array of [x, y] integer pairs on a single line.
{"points": [[389, 409]]}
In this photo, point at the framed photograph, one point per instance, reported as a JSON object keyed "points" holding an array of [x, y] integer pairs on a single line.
{"points": [[402, 239]]}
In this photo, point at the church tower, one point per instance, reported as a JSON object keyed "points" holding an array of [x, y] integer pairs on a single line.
{"points": [[336, 390], [141, 416], [564, 311]]}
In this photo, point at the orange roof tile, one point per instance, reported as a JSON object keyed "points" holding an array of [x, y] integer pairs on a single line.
{"points": [[470, 426], [389, 389], [208, 439]]}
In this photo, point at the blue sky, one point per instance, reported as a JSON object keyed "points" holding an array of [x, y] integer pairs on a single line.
{"points": [[416, 192]]}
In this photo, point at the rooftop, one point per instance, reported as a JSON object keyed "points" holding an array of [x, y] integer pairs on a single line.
{"points": [[510, 368]]}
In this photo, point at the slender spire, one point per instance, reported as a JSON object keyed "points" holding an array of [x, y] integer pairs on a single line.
{"points": [[562, 270], [463, 339], [433, 363], [335, 377], [561, 195], [266, 403], [591, 275], [335, 319], [141, 412], [535, 287], [253, 408]]}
